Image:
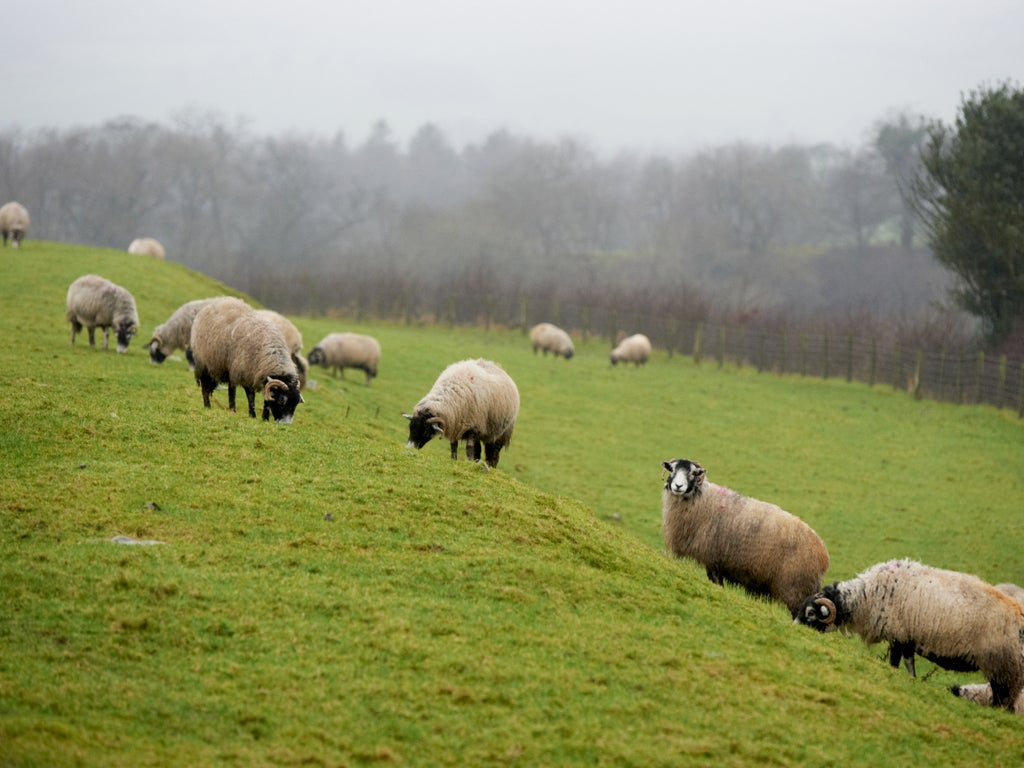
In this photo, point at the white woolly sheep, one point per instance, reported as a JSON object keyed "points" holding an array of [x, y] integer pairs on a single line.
{"points": [[339, 351], [953, 619], [472, 400], [632, 349], [550, 338], [14, 222], [95, 302], [758, 545], [146, 246], [233, 344], [292, 337], [176, 333]]}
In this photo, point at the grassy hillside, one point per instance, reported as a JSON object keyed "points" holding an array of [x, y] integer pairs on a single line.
{"points": [[324, 596]]}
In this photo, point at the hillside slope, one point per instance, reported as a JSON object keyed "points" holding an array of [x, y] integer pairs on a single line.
{"points": [[323, 595]]}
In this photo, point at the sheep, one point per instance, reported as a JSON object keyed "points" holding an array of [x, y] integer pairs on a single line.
{"points": [[292, 338], [550, 338], [233, 344], [14, 223], [632, 349], [761, 547], [95, 302], [146, 246], [176, 333], [472, 400], [981, 693], [954, 620], [339, 351]]}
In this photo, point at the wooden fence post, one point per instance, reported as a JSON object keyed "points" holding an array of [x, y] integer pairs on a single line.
{"points": [[849, 358], [721, 346], [697, 336], [1001, 384], [979, 372], [873, 369], [827, 369]]}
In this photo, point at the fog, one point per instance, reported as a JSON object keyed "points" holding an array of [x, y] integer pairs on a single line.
{"points": [[643, 75]]}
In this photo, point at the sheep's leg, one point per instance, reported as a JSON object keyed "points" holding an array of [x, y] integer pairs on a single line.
{"points": [[106, 337], [455, 449], [902, 652], [250, 395], [208, 385], [491, 451], [714, 576], [231, 397], [76, 328], [472, 448], [92, 336]]}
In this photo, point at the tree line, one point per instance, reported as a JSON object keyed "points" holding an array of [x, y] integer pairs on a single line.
{"points": [[509, 230]]}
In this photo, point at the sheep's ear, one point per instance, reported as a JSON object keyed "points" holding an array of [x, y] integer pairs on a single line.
{"points": [[408, 416], [666, 466]]}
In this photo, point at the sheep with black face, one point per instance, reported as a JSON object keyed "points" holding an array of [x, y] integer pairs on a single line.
{"points": [[95, 302], [955, 620], [753, 543]]}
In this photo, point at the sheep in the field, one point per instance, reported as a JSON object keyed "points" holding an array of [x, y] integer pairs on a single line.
{"points": [[472, 400], [339, 351], [95, 302], [14, 222], [632, 349], [550, 338], [758, 545], [176, 333], [953, 619], [292, 337], [233, 344], [981, 693], [146, 246]]}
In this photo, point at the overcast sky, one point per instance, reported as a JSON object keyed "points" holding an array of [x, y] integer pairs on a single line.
{"points": [[645, 75]]}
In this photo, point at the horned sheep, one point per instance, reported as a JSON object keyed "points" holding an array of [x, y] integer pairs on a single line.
{"points": [[146, 246], [339, 351], [955, 620], [95, 302], [550, 338], [472, 400], [14, 222], [233, 344], [632, 349], [176, 333], [758, 545]]}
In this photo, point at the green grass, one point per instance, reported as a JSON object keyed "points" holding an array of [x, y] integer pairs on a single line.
{"points": [[325, 596]]}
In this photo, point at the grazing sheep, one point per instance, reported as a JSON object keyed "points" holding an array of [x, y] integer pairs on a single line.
{"points": [[146, 246], [339, 351], [632, 349], [472, 400], [14, 223], [95, 302], [759, 546], [176, 332], [953, 619], [233, 344], [292, 337], [550, 338]]}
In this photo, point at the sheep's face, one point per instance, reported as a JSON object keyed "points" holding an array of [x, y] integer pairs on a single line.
{"points": [[156, 354], [685, 478], [125, 332], [317, 357], [280, 399], [818, 612], [423, 427]]}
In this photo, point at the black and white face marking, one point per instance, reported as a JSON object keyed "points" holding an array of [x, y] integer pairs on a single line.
{"points": [[155, 354], [317, 357], [421, 430], [282, 407], [125, 331], [685, 478]]}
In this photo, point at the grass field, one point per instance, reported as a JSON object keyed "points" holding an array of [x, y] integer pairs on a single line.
{"points": [[325, 596]]}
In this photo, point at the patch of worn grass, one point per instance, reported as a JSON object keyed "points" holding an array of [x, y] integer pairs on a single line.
{"points": [[325, 596]]}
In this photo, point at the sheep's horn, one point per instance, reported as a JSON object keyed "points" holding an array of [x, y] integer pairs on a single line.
{"points": [[825, 610], [272, 384]]}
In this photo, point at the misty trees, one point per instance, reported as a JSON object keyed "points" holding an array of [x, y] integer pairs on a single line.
{"points": [[899, 143], [970, 195]]}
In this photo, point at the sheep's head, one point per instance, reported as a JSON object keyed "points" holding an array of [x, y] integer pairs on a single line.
{"points": [[423, 427], [125, 330], [685, 478], [156, 353], [280, 399], [818, 612], [317, 356]]}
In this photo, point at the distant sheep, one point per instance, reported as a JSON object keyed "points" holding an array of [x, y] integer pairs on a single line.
{"points": [[632, 349], [176, 333], [233, 344], [550, 338], [953, 619], [292, 337], [759, 546], [14, 222], [339, 351], [472, 400], [146, 246], [95, 302]]}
